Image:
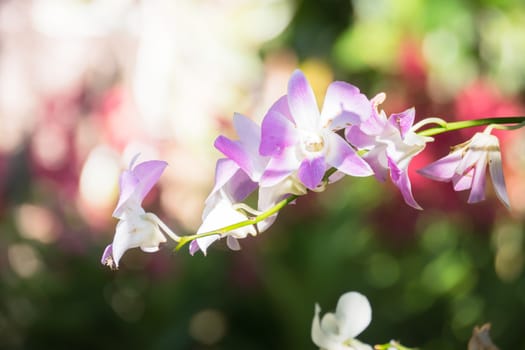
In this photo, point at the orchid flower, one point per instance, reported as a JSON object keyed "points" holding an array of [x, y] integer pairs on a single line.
{"points": [[136, 228], [236, 178], [300, 139], [466, 166], [338, 331], [391, 144]]}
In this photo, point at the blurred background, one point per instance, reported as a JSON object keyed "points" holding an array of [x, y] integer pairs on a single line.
{"points": [[86, 84]]}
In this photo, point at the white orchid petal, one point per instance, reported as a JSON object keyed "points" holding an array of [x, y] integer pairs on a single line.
{"points": [[354, 314], [233, 243], [322, 338], [496, 174]]}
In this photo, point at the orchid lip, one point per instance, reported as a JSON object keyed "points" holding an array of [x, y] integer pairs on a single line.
{"points": [[312, 143]]}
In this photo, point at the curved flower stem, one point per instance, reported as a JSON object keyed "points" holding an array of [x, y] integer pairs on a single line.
{"points": [[471, 123], [183, 240], [252, 221]]}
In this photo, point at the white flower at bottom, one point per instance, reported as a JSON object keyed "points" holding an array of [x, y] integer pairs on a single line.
{"points": [[337, 331]]}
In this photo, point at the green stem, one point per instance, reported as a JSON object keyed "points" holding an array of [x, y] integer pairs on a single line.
{"points": [[469, 124], [252, 221], [392, 345]]}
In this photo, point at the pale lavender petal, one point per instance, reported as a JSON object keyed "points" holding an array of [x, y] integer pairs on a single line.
{"points": [[462, 182], [377, 160], [233, 243], [249, 133], [311, 171], [343, 157], [194, 247], [377, 121], [402, 181], [240, 186], [336, 177], [232, 179], [107, 256], [442, 169], [302, 103], [344, 105], [496, 173], [403, 121], [280, 167], [277, 133], [128, 184], [234, 151], [138, 182], [225, 168], [477, 193], [148, 173], [360, 139], [281, 106], [470, 158]]}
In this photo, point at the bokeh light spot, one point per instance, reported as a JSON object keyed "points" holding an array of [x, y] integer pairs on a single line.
{"points": [[208, 326]]}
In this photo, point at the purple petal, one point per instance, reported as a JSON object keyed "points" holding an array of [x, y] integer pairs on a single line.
{"points": [[377, 121], [138, 182], [343, 157], [496, 173], [249, 133], [377, 160], [302, 103], [402, 181], [344, 105], [128, 184], [240, 186], [194, 247], [403, 121], [225, 168], [277, 133], [311, 171], [462, 182], [359, 139], [280, 167], [477, 193], [148, 174], [234, 151], [281, 106], [442, 169]]}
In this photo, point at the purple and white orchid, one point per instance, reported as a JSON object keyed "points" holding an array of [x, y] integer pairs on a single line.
{"points": [[136, 228], [391, 144], [466, 166], [300, 139], [236, 177]]}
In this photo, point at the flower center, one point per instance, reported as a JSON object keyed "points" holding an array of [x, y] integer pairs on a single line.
{"points": [[312, 142]]}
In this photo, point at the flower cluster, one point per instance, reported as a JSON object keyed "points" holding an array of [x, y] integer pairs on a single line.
{"points": [[300, 148]]}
